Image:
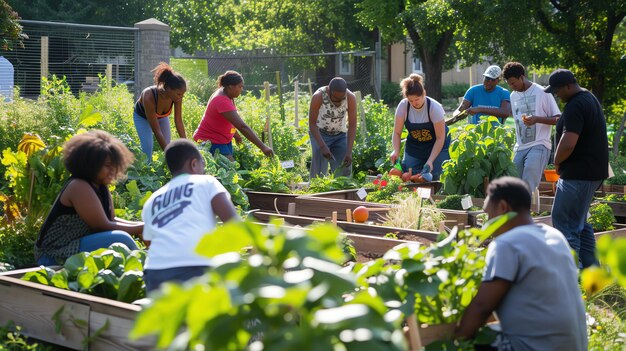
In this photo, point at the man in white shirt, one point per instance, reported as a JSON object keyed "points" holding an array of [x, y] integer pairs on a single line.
{"points": [[534, 112]]}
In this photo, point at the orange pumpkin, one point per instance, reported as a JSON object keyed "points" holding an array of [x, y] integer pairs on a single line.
{"points": [[395, 172], [360, 214]]}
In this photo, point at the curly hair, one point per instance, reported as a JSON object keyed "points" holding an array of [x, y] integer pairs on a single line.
{"points": [[85, 154], [164, 75], [513, 69], [412, 85]]}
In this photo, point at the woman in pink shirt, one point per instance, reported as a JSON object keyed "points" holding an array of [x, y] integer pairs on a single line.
{"points": [[221, 121]]}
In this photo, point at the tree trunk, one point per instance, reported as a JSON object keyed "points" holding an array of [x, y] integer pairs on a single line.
{"points": [[433, 65]]}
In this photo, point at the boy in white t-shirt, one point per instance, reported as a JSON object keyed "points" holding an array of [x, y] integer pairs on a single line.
{"points": [[534, 112], [179, 214]]}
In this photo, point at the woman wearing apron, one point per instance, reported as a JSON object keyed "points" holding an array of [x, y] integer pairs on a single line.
{"points": [[427, 140]]}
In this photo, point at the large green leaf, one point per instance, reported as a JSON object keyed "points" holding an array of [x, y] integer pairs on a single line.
{"points": [[230, 237], [130, 286], [89, 117]]}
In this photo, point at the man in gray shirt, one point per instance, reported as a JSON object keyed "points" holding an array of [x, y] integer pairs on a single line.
{"points": [[530, 280]]}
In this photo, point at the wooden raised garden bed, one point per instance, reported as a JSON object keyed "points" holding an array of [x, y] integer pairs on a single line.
{"points": [[311, 206], [279, 201], [424, 237], [32, 306]]}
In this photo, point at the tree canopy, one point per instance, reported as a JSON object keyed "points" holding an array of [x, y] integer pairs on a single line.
{"points": [[111, 12], [10, 28]]}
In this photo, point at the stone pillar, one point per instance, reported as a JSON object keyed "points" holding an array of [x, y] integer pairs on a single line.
{"points": [[152, 47]]}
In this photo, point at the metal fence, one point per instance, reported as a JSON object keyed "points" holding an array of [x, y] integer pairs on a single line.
{"points": [[311, 71], [78, 52]]}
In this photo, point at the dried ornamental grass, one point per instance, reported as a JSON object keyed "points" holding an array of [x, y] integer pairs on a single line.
{"points": [[406, 214]]}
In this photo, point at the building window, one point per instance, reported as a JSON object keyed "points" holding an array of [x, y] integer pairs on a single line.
{"points": [[417, 65], [346, 67]]}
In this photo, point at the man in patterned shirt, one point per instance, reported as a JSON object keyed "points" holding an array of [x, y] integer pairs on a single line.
{"points": [[331, 139]]}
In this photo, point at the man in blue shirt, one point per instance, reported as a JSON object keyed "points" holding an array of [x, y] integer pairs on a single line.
{"points": [[487, 99]]}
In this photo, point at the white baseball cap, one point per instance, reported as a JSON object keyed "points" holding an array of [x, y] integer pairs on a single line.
{"points": [[493, 72]]}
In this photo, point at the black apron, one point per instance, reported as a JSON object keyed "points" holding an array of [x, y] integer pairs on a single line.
{"points": [[422, 137]]}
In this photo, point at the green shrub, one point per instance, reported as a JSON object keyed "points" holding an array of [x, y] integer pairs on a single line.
{"points": [[619, 179], [390, 93], [602, 217], [17, 241], [453, 91], [371, 152], [451, 202]]}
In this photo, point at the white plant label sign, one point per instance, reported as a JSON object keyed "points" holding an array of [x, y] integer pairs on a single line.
{"points": [[466, 202], [424, 193], [287, 164], [361, 193]]}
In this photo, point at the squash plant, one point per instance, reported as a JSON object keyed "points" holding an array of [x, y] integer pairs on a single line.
{"points": [[478, 151], [287, 294], [115, 273], [435, 282]]}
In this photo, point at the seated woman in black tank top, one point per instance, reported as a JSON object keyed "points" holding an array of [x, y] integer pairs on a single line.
{"points": [[82, 216]]}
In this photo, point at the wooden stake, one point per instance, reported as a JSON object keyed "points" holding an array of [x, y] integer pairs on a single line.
{"points": [[109, 74], [296, 122], [334, 218], [361, 113], [348, 215], [310, 87], [415, 343], [291, 209], [267, 130], [44, 57]]}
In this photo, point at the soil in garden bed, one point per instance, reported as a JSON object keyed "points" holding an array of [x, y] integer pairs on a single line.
{"points": [[363, 257]]}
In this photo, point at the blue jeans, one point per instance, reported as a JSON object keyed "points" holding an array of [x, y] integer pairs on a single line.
{"points": [[146, 137], [417, 164], [530, 164], [569, 215], [225, 149], [338, 145], [94, 242], [155, 277]]}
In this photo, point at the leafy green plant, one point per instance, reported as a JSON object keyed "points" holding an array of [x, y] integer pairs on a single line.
{"points": [[286, 294], [115, 273], [35, 178], [451, 202], [602, 217], [331, 183], [11, 339], [435, 282], [618, 179], [478, 151], [384, 190], [614, 198], [271, 177], [17, 240], [371, 151], [223, 169]]}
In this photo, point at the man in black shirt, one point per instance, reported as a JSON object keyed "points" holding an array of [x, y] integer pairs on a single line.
{"points": [[581, 159]]}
